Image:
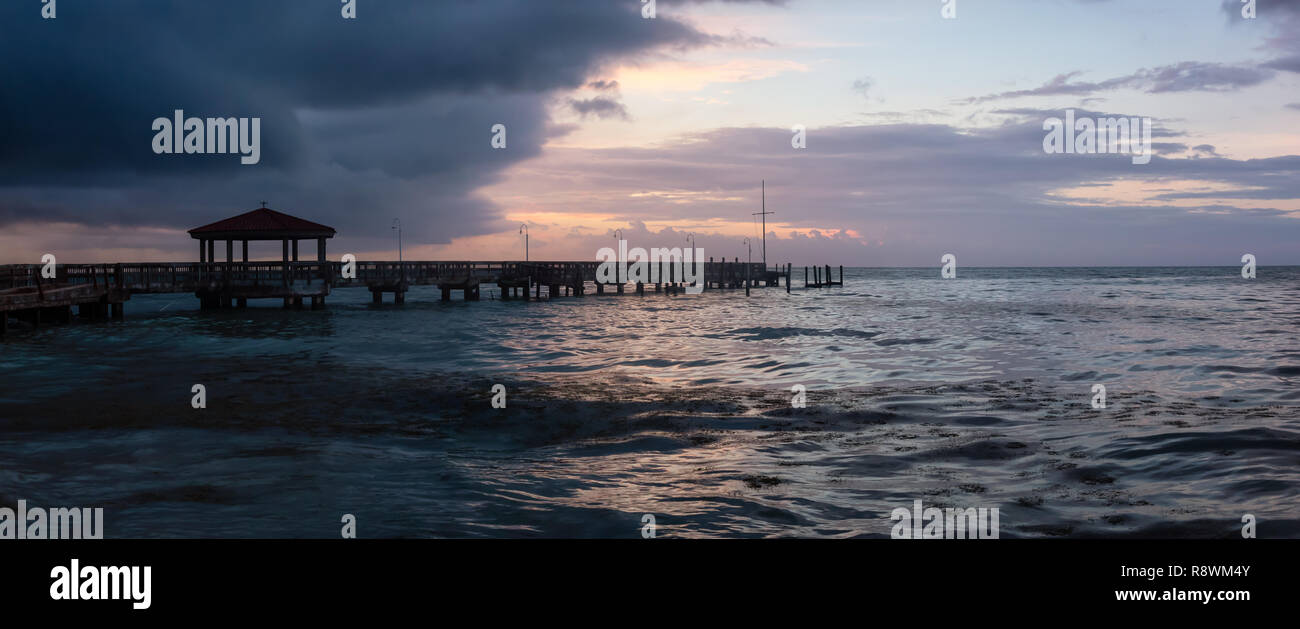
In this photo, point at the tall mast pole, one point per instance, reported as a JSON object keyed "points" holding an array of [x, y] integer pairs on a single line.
{"points": [[764, 214]]}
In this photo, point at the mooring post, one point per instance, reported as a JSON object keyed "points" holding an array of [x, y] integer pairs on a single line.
{"points": [[841, 275], [787, 278]]}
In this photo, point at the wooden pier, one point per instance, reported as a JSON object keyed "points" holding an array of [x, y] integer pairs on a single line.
{"points": [[93, 290], [99, 290], [822, 277]]}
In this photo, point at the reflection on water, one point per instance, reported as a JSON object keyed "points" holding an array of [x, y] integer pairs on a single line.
{"points": [[967, 392]]}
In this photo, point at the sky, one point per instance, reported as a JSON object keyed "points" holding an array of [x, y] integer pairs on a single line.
{"points": [[923, 133]]}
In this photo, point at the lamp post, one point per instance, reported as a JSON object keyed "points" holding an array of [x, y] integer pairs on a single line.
{"points": [[401, 268], [690, 237], [749, 259], [524, 230], [618, 237], [397, 224], [764, 214]]}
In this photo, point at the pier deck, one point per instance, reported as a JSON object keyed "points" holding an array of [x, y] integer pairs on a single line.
{"points": [[97, 288]]}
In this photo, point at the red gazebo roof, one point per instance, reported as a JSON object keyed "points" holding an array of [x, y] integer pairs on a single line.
{"points": [[262, 224]]}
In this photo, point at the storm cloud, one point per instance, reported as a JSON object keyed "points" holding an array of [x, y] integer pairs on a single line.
{"points": [[387, 114]]}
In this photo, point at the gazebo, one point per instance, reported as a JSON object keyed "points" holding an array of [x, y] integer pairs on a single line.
{"points": [[260, 224]]}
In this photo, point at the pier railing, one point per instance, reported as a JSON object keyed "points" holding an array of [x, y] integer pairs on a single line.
{"points": [[181, 277]]}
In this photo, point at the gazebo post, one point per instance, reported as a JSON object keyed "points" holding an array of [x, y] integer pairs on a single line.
{"points": [[284, 274], [225, 275], [325, 274], [242, 302], [203, 260], [297, 301]]}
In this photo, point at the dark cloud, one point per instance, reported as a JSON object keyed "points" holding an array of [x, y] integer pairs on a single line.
{"points": [[599, 107], [1205, 149], [914, 191], [1263, 9], [863, 86], [1287, 64], [1282, 18], [1186, 76], [389, 113]]}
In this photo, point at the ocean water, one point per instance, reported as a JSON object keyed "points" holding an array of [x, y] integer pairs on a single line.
{"points": [[973, 392]]}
